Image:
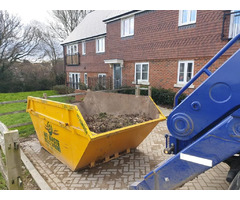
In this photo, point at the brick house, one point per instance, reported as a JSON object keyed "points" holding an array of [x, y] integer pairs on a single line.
{"points": [[158, 48]]}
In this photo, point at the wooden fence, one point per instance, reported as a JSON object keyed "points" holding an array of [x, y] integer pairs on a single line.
{"points": [[10, 160]]}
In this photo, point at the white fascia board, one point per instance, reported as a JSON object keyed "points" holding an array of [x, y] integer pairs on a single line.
{"points": [[113, 61]]}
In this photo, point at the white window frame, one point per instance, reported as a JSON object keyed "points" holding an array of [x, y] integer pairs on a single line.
{"points": [[124, 32], [185, 71], [102, 74], [141, 81], [72, 49], [84, 48], [180, 23], [99, 48], [85, 79], [72, 84]]}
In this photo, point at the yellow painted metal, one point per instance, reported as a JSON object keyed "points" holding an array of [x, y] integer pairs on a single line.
{"points": [[62, 131]]}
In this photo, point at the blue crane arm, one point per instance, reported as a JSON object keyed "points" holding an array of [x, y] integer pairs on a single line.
{"points": [[206, 152]]}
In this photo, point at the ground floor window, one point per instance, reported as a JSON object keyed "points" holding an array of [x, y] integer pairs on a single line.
{"points": [[185, 71], [102, 80], [74, 80], [85, 79], [142, 73]]}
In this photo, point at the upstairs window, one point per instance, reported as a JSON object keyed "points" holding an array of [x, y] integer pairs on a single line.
{"points": [[72, 49], [187, 17], [234, 28], [72, 57], [83, 48], [100, 45], [127, 27], [185, 71]]}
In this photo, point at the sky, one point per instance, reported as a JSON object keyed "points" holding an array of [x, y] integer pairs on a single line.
{"points": [[38, 10], [28, 15]]}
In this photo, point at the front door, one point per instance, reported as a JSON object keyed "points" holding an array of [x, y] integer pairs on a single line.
{"points": [[117, 76]]}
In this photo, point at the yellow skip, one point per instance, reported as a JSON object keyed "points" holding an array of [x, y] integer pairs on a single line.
{"points": [[63, 132]]}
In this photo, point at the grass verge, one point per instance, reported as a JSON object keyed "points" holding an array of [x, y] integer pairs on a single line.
{"points": [[17, 118]]}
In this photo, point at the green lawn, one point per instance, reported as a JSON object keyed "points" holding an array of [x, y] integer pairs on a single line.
{"points": [[18, 118]]}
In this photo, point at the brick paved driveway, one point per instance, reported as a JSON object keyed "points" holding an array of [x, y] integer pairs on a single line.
{"points": [[119, 173]]}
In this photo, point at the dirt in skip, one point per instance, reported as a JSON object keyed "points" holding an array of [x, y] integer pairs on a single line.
{"points": [[103, 122]]}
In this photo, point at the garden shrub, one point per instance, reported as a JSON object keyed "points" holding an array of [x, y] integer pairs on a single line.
{"points": [[63, 89], [160, 95], [82, 86], [163, 96], [129, 90], [60, 78]]}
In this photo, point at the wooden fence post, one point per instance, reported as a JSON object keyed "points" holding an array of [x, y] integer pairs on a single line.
{"points": [[149, 91], [10, 162], [137, 90], [45, 95]]}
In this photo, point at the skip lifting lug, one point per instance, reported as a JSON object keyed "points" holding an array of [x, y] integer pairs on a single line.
{"points": [[169, 149]]}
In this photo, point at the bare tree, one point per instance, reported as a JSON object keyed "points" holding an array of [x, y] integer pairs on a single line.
{"points": [[16, 41], [49, 44], [66, 20]]}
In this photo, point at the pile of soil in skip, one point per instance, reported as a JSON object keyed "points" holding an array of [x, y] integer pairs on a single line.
{"points": [[103, 122]]}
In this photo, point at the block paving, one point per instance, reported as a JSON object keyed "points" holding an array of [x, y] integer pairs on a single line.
{"points": [[119, 173]]}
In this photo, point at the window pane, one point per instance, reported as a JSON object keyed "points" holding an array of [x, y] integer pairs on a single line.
{"points": [[99, 45], [193, 16], [123, 27], [184, 16], [75, 49], [189, 69], [181, 72], [73, 80], [181, 77], [144, 76], [126, 27], [189, 76], [85, 79], [103, 44], [181, 67], [83, 47], [138, 68], [138, 75], [145, 68], [131, 31]]}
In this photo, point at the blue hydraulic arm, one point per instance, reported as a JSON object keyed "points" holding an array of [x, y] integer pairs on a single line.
{"points": [[205, 127], [216, 145]]}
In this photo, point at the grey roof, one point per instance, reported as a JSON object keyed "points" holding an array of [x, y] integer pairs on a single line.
{"points": [[92, 25]]}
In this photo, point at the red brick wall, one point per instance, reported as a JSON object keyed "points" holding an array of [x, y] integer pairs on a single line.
{"points": [[158, 40], [157, 36], [163, 73]]}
